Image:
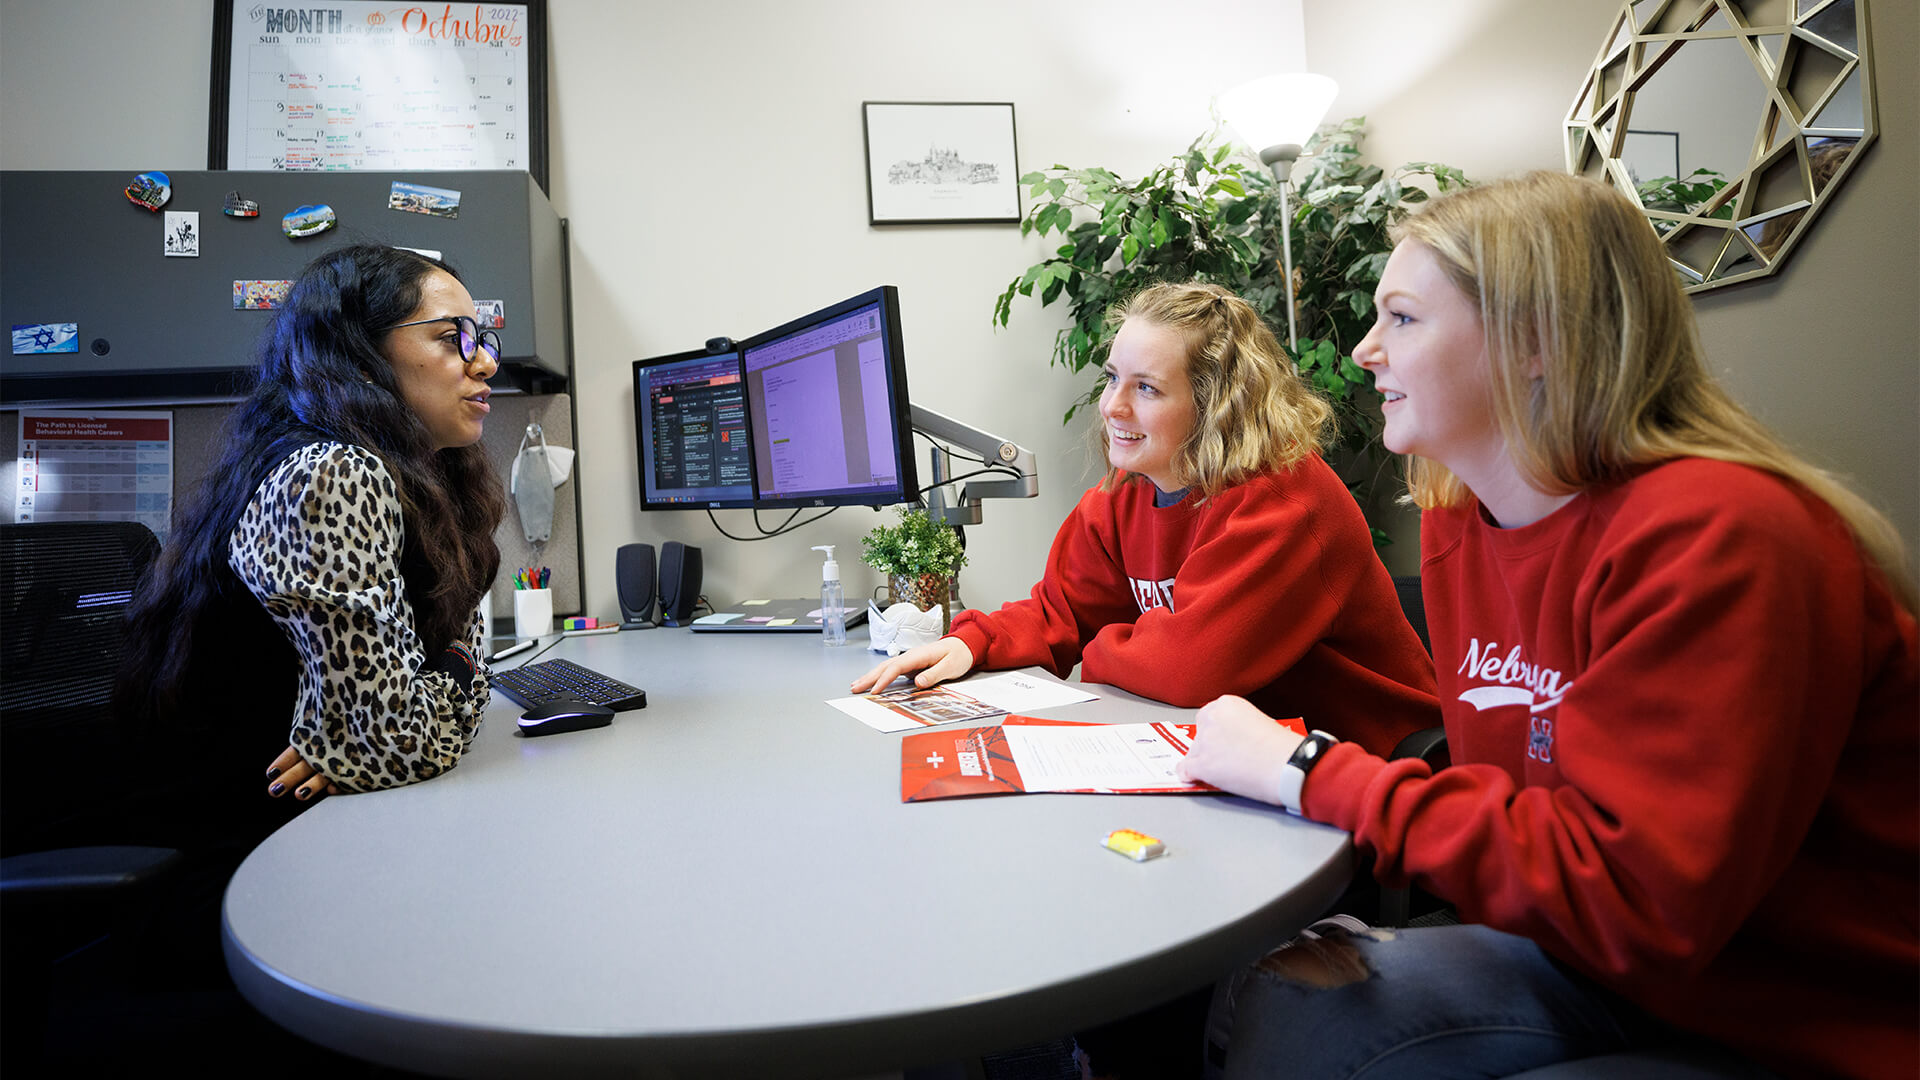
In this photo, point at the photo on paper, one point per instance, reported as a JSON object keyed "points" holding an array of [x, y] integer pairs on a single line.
{"points": [[183, 233], [420, 199], [260, 295], [45, 338], [941, 163], [936, 705], [490, 314]]}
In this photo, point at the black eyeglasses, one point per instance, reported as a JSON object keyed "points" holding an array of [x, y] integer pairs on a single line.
{"points": [[472, 338]]}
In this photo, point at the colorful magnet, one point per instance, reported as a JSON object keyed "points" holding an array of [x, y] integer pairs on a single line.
{"points": [[151, 190], [183, 233], [260, 295], [420, 199], [239, 207], [307, 220], [46, 337], [490, 314]]}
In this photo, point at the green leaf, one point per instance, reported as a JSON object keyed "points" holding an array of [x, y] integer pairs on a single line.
{"points": [[1129, 248], [1034, 177], [1231, 186], [1157, 233], [1367, 268], [1058, 187]]}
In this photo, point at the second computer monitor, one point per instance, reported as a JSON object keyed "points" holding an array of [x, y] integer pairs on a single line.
{"points": [[690, 416], [827, 407]]}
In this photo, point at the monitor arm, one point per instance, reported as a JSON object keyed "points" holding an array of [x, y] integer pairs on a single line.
{"points": [[994, 449]]}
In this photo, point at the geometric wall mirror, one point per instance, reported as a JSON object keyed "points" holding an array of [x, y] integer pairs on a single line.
{"points": [[1730, 122]]}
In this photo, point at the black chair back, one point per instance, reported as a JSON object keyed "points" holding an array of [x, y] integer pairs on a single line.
{"points": [[64, 591], [1416, 609]]}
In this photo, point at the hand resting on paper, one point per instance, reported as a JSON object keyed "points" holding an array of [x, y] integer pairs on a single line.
{"points": [[948, 658], [290, 772], [1238, 748]]}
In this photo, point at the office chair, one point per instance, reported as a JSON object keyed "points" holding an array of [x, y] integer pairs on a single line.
{"points": [[64, 591]]}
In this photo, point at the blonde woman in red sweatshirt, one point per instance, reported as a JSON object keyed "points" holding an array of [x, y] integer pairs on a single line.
{"points": [[1219, 555], [1678, 669]]}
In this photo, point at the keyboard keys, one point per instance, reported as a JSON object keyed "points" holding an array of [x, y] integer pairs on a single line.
{"points": [[536, 684]]}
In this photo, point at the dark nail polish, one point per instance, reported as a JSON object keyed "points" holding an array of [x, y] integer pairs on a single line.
{"points": [[302, 793], [273, 772], [276, 789]]}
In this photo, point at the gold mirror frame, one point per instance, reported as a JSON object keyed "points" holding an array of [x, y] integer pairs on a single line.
{"points": [[1813, 112]]}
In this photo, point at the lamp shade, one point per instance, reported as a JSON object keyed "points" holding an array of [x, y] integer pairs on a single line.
{"points": [[1278, 110]]}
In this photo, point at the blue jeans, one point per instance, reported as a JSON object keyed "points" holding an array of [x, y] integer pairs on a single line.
{"points": [[1435, 1002]]}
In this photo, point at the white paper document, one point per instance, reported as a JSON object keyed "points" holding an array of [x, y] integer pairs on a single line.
{"points": [[906, 706], [1098, 757]]}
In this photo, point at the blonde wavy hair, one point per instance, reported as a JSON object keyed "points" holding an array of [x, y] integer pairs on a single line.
{"points": [[1252, 411], [1566, 269]]}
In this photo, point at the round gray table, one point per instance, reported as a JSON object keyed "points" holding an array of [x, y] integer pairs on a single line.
{"points": [[726, 882]]}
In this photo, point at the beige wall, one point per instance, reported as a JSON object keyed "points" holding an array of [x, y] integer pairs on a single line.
{"points": [[1827, 351]]}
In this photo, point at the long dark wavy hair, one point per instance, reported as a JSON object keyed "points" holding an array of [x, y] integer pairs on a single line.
{"points": [[323, 376]]}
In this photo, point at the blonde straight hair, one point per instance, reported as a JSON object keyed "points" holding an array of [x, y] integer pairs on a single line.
{"points": [[1252, 411], [1566, 269]]}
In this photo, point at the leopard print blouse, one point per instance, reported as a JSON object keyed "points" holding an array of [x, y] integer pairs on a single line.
{"points": [[319, 546]]}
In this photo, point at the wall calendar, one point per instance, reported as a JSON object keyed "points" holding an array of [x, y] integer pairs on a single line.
{"points": [[374, 85]]}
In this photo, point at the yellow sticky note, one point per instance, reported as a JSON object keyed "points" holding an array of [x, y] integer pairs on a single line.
{"points": [[781, 622]]}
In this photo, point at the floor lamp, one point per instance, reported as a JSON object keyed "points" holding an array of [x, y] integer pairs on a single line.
{"points": [[1277, 115]]}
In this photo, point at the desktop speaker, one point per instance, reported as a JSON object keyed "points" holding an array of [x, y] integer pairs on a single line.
{"points": [[679, 582], [633, 579]]}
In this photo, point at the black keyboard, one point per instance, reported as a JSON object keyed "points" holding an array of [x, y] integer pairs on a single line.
{"points": [[534, 685]]}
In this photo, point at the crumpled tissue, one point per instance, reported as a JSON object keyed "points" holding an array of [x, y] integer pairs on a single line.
{"points": [[901, 627]]}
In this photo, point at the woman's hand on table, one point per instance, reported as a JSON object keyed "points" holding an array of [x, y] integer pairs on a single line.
{"points": [[290, 772], [948, 658], [1238, 748]]}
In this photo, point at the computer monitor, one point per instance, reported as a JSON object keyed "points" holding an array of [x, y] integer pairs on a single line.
{"points": [[811, 413], [827, 407], [690, 420]]}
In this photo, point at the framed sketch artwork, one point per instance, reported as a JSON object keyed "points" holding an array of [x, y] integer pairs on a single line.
{"points": [[941, 163]]}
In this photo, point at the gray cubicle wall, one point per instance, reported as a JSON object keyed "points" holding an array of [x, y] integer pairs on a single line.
{"points": [[75, 249], [196, 434]]}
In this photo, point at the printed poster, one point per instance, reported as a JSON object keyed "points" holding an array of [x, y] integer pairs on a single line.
{"points": [[107, 466]]}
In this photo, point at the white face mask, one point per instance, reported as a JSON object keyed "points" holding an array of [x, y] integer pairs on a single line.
{"points": [[537, 470], [901, 627]]}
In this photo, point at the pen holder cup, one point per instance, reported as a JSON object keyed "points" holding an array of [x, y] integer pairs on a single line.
{"points": [[532, 613]]}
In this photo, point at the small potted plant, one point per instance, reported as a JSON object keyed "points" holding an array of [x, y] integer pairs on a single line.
{"points": [[920, 557]]}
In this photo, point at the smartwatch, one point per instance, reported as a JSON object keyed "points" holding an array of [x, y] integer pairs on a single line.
{"points": [[1293, 775]]}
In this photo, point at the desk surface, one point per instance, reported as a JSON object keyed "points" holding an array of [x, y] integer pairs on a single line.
{"points": [[727, 882]]}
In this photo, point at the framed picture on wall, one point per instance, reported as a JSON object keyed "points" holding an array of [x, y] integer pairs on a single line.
{"points": [[941, 163], [365, 85]]}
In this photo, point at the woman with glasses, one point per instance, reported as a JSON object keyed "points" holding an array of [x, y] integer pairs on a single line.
{"points": [[314, 613]]}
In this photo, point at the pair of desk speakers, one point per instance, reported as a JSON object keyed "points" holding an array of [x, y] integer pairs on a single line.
{"points": [[676, 587]]}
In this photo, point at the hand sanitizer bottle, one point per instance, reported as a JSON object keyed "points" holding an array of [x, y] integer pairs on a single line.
{"points": [[833, 601]]}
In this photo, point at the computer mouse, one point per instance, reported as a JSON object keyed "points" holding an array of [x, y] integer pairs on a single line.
{"points": [[560, 715]]}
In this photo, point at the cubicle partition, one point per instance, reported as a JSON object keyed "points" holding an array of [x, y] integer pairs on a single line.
{"points": [[152, 322], [153, 330]]}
